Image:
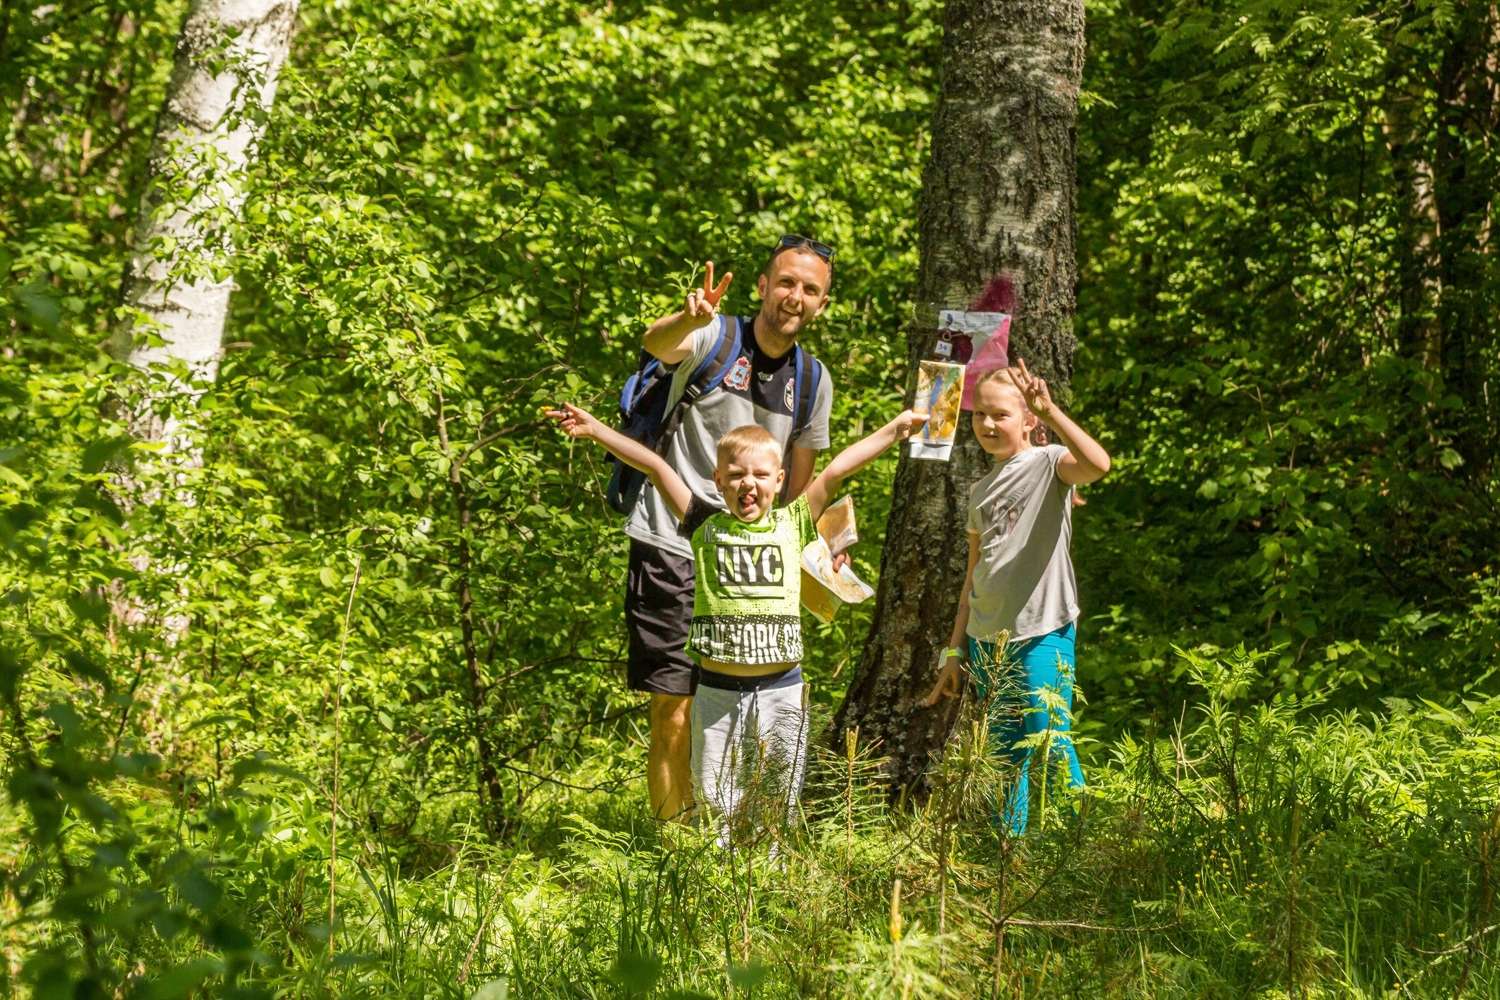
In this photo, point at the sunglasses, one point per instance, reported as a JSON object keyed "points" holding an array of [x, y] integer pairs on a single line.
{"points": [[789, 242]]}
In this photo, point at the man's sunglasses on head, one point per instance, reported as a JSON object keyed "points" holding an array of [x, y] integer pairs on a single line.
{"points": [[790, 242]]}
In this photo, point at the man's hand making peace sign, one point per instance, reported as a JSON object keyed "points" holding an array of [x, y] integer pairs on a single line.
{"points": [[671, 337], [703, 303]]}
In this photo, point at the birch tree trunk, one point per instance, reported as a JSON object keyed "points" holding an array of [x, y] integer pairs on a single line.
{"points": [[178, 285], [996, 217]]}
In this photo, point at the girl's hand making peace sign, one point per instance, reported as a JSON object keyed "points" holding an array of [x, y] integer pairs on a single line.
{"points": [[1034, 389]]}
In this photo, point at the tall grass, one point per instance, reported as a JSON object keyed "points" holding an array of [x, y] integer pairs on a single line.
{"points": [[1240, 849]]}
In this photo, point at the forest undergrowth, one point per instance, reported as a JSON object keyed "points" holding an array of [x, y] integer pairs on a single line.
{"points": [[1242, 849]]}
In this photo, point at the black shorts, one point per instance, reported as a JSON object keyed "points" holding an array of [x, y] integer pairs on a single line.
{"points": [[658, 613]]}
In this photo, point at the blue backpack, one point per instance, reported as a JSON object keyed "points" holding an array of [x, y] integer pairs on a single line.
{"points": [[646, 417]]}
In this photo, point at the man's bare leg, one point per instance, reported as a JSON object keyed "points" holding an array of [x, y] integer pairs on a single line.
{"points": [[668, 776]]}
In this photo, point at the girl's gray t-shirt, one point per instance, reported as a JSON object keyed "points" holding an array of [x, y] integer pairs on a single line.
{"points": [[1023, 514], [755, 390]]}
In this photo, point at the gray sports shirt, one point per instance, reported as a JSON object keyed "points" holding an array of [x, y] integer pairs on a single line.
{"points": [[757, 389], [1023, 514]]}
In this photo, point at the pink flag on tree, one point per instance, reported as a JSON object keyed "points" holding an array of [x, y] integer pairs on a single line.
{"points": [[980, 339]]}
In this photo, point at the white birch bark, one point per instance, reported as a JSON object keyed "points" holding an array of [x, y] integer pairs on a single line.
{"points": [[177, 291], [178, 285]]}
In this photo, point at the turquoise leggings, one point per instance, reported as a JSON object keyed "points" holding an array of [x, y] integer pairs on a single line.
{"points": [[1011, 685]]}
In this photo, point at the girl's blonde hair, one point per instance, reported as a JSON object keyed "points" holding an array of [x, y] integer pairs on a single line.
{"points": [[1003, 376]]}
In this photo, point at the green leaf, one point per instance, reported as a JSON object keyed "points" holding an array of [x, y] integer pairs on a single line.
{"points": [[749, 976], [198, 889], [41, 308], [80, 664], [17, 519], [88, 607], [636, 972], [11, 670], [184, 980], [261, 763], [495, 989]]}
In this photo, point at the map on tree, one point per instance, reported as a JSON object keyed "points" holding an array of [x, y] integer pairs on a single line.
{"points": [[981, 342]]}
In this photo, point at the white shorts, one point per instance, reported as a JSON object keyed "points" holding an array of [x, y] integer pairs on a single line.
{"points": [[749, 750]]}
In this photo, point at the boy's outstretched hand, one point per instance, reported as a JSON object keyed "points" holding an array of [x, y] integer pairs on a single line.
{"points": [[575, 421], [909, 423], [1033, 388]]}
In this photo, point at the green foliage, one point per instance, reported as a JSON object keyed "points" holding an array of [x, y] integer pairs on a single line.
{"points": [[461, 212], [1249, 848], [1255, 315], [457, 214], [80, 88], [128, 862]]}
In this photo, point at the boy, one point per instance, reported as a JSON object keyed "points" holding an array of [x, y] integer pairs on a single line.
{"points": [[747, 715]]}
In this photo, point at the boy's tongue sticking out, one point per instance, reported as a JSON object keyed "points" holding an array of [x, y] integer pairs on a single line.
{"points": [[749, 504]]}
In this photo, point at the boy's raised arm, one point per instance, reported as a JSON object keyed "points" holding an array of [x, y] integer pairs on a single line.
{"points": [[580, 423], [857, 456]]}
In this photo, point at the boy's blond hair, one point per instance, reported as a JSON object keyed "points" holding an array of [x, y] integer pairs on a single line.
{"points": [[747, 437]]}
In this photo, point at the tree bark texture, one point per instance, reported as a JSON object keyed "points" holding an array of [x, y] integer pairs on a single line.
{"points": [[1468, 118], [177, 285], [997, 221], [1418, 335], [177, 288]]}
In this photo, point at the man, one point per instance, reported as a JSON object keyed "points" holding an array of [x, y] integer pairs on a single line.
{"points": [[757, 388]]}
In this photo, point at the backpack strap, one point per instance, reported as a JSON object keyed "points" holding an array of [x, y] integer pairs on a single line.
{"points": [[647, 370], [709, 373], [808, 373], [714, 367]]}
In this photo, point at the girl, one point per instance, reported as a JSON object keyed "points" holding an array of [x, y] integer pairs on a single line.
{"points": [[1019, 580]]}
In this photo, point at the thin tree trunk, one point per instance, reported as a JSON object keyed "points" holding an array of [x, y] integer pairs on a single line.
{"points": [[177, 289], [1418, 335], [177, 286], [996, 215], [489, 788], [1463, 187]]}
